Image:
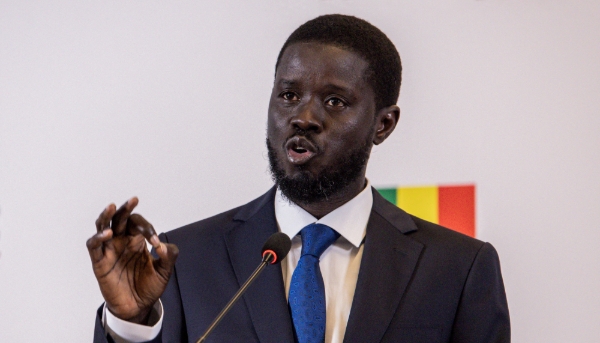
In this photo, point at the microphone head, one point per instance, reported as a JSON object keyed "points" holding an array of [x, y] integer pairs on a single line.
{"points": [[276, 247]]}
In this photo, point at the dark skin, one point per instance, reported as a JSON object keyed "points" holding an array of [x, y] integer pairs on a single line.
{"points": [[130, 278], [320, 93]]}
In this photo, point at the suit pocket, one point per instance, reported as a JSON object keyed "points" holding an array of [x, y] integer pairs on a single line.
{"points": [[413, 334]]}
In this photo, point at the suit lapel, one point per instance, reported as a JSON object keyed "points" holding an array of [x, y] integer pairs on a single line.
{"points": [[265, 298], [388, 262]]}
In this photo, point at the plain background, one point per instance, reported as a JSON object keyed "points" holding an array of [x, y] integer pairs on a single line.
{"points": [[167, 100]]}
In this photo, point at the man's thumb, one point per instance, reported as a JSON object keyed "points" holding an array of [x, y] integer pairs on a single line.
{"points": [[167, 255]]}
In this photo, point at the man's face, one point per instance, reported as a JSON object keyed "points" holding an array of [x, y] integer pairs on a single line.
{"points": [[321, 121]]}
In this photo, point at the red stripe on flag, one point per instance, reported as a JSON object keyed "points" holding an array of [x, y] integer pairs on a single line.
{"points": [[457, 208]]}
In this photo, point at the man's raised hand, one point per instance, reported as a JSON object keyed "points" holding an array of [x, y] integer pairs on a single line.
{"points": [[131, 279]]}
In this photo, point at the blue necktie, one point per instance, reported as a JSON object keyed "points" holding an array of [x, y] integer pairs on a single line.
{"points": [[307, 292]]}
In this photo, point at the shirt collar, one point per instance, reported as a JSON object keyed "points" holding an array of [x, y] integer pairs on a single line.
{"points": [[349, 220]]}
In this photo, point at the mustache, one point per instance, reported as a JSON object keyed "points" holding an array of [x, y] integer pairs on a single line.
{"points": [[303, 134]]}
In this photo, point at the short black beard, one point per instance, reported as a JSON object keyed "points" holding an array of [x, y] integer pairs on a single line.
{"points": [[307, 189]]}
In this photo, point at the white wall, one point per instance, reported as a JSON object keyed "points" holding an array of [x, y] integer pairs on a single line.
{"points": [[100, 101]]}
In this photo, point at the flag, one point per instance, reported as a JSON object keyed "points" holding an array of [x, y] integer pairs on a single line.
{"points": [[449, 206]]}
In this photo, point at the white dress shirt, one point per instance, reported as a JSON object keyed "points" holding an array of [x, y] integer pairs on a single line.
{"points": [[339, 264]]}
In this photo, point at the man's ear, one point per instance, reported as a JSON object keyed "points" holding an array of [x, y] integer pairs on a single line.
{"points": [[385, 123]]}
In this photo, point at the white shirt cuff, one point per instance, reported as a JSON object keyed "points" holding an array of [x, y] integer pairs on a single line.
{"points": [[126, 332]]}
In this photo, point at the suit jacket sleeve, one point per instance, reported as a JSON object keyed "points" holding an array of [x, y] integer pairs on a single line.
{"points": [[482, 315], [100, 335]]}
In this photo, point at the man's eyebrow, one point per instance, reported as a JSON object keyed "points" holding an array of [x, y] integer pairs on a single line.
{"points": [[330, 87], [338, 88], [288, 83]]}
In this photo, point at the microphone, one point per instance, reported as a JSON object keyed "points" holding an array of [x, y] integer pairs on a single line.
{"points": [[273, 251]]}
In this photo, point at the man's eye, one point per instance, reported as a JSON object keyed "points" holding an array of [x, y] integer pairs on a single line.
{"points": [[289, 96], [335, 102]]}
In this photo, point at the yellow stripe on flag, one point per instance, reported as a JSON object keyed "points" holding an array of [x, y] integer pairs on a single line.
{"points": [[421, 202]]}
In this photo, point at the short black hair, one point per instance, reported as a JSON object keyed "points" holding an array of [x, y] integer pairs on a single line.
{"points": [[358, 36]]}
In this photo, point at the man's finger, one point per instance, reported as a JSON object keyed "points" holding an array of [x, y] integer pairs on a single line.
{"points": [[95, 244], [167, 255], [119, 219], [104, 218], [139, 225]]}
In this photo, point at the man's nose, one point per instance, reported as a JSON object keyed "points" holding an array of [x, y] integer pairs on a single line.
{"points": [[308, 117]]}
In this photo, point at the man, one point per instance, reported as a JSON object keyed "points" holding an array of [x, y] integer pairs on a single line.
{"points": [[360, 269]]}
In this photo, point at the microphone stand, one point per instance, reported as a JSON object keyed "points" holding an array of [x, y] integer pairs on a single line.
{"points": [[266, 260]]}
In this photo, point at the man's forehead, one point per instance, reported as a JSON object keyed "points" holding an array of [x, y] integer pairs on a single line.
{"points": [[308, 60]]}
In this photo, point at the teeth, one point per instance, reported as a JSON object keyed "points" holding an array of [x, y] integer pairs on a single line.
{"points": [[299, 150]]}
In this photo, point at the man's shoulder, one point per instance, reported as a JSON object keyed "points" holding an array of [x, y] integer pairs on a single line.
{"points": [[432, 236], [207, 226], [450, 254], [439, 243], [220, 223]]}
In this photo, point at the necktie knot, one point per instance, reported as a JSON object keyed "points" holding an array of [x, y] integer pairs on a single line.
{"points": [[316, 238]]}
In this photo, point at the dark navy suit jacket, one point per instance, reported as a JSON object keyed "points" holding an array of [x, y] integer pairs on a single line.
{"points": [[418, 282]]}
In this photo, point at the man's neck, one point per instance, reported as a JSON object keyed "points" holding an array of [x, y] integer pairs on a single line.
{"points": [[319, 209]]}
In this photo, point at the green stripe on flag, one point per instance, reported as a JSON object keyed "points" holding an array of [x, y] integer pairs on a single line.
{"points": [[389, 194]]}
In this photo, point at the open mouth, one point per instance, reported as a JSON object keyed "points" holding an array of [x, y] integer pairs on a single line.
{"points": [[299, 150]]}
